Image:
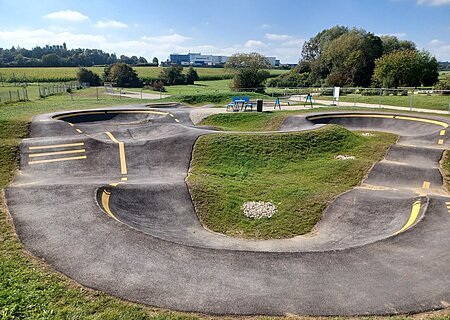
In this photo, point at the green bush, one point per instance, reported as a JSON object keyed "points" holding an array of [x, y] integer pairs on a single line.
{"points": [[86, 75], [444, 84], [122, 75], [370, 92]]}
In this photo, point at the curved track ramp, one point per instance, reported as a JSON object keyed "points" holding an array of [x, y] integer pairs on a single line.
{"points": [[101, 196]]}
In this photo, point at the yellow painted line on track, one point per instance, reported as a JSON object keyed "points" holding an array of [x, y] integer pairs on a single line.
{"points": [[105, 203], [426, 185], [412, 218], [171, 115], [123, 161], [176, 120], [436, 122], [115, 184], [442, 133], [70, 124], [69, 115], [43, 154], [124, 179], [440, 141], [351, 116], [79, 131], [57, 160], [77, 144]]}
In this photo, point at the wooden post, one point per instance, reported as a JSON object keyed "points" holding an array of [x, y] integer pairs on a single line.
{"points": [[10, 96]]}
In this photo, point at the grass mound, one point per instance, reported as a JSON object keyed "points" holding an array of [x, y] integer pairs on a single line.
{"points": [[264, 121], [297, 172]]}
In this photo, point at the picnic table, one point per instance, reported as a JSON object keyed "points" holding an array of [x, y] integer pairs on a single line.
{"points": [[240, 104]]}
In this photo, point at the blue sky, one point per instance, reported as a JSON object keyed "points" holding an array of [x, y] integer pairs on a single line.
{"points": [[274, 28]]}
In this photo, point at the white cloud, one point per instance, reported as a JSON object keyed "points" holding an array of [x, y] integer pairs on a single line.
{"points": [[433, 2], [110, 24], [40, 37], [67, 15], [398, 34], [160, 46], [278, 37], [254, 44], [440, 49], [167, 39], [264, 26]]}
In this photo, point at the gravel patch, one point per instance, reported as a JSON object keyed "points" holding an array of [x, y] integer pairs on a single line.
{"points": [[258, 209], [199, 114], [344, 157]]}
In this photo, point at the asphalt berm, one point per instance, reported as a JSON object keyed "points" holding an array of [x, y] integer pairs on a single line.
{"points": [[101, 196]]}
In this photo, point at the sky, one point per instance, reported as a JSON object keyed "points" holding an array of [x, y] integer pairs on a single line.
{"points": [[222, 27]]}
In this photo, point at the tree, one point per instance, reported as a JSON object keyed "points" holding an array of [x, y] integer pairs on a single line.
{"points": [[350, 58], [51, 60], [312, 49], [173, 75], [249, 69], [86, 75], [405, 68], [142, 60], [155, 61], [122, 75], [392, 43], [191, 76], [429, 69], [444, 84]]}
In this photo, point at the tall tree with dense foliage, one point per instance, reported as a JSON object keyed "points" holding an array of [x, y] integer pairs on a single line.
{"points": [[122, 75], [249, 69], [173, 75], [392, 43], [350, 58], [87, 76], [405, 68], [191, 76]]}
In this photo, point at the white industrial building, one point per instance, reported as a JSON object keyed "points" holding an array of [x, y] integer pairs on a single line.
{"points": [[198, 59]]}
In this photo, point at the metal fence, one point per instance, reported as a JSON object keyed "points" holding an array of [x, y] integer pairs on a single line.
{"points": [[52, 89], [413, 98], [13, 95]]}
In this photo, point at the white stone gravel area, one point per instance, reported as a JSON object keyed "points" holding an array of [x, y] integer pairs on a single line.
{"points": [[367, 134], [344, 157], [258, 209]]}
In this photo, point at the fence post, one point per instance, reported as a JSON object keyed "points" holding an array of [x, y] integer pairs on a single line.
{"points": [[97, 93], [10, 96], [379, 98], [411, 100], [141, 93]]}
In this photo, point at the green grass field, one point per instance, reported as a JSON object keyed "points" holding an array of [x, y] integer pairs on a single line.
{"points": [[60, 74], [228, 170], [29, 289]]}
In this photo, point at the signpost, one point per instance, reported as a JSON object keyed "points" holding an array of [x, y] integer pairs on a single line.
{"points": [[336, 94]]}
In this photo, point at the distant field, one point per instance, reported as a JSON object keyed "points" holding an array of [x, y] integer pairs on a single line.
{"points": [[69, 73], [443, 74]]}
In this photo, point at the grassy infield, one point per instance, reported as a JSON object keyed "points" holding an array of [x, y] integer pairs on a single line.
{"points": [[30, 290], [297, 172]]}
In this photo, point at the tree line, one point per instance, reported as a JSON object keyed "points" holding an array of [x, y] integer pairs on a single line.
{"points": [[61, 57], [121, 74], [340, 56]]}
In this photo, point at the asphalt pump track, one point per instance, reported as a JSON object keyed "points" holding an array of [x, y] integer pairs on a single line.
{"points": [[101, 196]]}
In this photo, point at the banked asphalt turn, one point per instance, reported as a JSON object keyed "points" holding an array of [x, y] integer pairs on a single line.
{"points": [[101, 196]]}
